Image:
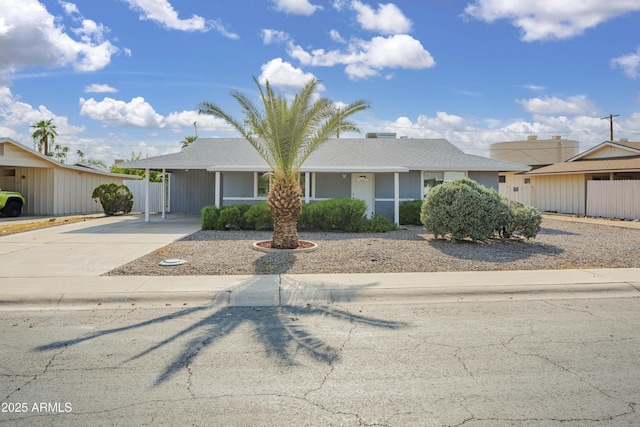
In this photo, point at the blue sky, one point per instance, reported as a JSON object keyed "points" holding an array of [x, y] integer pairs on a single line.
{"points": [[126, 76]]}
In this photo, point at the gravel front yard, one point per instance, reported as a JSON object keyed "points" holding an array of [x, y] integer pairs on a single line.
{"points": [[560, 244]]}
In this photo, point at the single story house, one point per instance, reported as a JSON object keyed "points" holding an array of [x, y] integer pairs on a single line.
{"points": [[381, 171], [602, 181], [50, 187]]}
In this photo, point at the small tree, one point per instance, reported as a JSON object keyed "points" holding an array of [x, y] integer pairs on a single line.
{"points": [[115, 199]]}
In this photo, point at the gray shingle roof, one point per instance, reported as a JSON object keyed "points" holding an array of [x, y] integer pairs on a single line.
{"points": [[344, 154]]}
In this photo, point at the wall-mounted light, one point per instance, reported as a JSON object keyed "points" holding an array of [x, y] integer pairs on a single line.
{"points": [[344, 175]]}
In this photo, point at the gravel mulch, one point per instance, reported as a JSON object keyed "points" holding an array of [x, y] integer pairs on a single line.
{"points": [[559, 245]]}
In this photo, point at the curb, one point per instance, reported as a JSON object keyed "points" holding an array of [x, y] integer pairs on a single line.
{"points": [[284, 295]]}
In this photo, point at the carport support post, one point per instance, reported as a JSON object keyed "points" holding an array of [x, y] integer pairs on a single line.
{"points": [[146, 195], [396, 198], [307, 187], [164, 182], [217, 190]]}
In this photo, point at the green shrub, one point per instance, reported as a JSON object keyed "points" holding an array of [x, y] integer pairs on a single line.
{"points": [[526, 220], [342, 214], [410, 212], [210, 217], [115, 199], [259, 217], [232, 217], [377, 224], [462, 209]]}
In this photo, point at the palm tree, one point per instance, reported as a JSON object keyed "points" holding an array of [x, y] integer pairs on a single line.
{"points": [[188, 140], [44, 133], [285, 134]]}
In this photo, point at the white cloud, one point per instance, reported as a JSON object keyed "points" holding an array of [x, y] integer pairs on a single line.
{"points": [[137, 112], [572, 105], [534, 87], [99, 88], [366, 58], [282, 74], [32, 37], [336, 37], [179, 121], [630, 64], [296, 7], [388, 19], [270, 36], [550, 19], [474, 135], [164, 14]]}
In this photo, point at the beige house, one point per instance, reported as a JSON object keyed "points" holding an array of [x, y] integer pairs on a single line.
{"points": [[533, 152], [603, 181], [49, 187]]}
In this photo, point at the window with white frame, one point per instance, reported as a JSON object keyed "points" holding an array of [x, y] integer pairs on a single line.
{"points": [[431, 179]]}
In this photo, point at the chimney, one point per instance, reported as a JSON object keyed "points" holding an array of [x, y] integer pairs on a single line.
{"points": [[556, 137], [532, 137]]}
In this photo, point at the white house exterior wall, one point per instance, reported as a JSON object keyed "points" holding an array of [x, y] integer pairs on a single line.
{"points": [[37, 188], [560, 193], [514, 188], [73, 190]]}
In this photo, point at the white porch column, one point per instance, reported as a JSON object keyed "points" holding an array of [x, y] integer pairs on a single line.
{"points": [[396, 198], [217, 190], [146, 194], [164, 183], [307, 187]]}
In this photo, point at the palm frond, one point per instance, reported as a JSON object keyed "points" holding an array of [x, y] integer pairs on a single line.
{"points": [[286, 133]]}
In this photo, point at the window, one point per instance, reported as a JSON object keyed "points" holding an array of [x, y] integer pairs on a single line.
{"points": [[527, 180], [264, 184], [502, 179], [431, 179]]}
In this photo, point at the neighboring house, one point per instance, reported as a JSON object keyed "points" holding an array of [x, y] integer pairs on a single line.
{"points": [[381, 171], [533, 152], [50, 187], [602, 181]]}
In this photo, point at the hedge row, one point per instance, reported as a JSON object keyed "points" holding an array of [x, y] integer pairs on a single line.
{"points": [[341, 214]]}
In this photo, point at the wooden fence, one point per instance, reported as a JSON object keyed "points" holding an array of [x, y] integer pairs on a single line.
{"points": [[614, 199]]}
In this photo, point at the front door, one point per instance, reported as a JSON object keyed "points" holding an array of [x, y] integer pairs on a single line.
{"points": [[362, 187]]}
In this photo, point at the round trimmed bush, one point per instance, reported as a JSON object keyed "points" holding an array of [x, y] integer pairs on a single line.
{"points": [[461, 209]]}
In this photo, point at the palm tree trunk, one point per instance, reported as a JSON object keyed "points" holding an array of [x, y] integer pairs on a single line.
{"points": [[285, 203]]}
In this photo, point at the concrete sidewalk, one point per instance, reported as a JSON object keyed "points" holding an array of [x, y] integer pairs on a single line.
{"points": [[62, 266]]}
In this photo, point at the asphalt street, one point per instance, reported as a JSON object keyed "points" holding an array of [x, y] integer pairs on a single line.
{"points": [[568, 361]]}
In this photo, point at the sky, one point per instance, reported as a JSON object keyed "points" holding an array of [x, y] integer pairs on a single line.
{"points": [[121, 78]]}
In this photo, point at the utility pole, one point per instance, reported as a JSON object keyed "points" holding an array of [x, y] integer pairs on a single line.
{"points": [[610, 117]]}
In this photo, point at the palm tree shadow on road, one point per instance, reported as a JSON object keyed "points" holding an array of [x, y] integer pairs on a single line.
{"points": [[274, 325]]}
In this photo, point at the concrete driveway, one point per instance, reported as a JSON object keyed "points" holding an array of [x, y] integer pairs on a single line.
{"points": [[89, 248]]}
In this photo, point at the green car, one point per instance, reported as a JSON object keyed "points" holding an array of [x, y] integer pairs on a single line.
{"points": [[11, 203]]}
